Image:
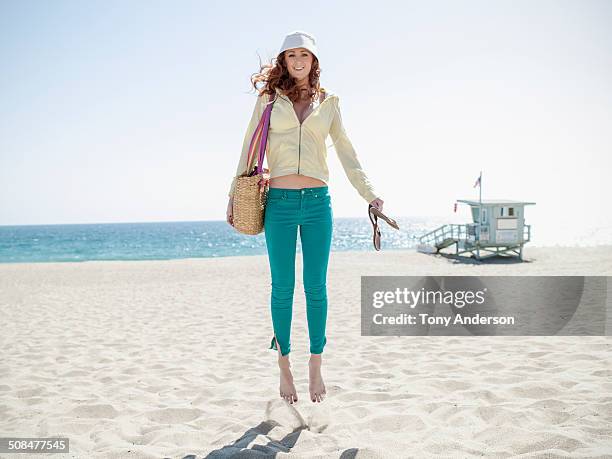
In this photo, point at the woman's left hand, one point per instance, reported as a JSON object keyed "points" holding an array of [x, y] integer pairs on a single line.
{"points": [[378, 203]]}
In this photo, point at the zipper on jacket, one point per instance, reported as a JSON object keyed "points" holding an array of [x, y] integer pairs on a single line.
{"points": [[299, 148]]}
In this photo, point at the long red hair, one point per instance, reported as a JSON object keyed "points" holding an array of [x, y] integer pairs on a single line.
{"points": [[276, 75]]}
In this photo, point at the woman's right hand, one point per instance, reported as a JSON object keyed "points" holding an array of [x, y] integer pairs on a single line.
{"points": [[230, 212]]}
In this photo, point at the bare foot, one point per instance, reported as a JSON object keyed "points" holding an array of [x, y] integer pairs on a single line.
{"points": [[286, 386], [315, 380]]}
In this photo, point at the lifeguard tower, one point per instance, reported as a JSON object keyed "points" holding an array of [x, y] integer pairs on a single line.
{"points": [[498, 228]]}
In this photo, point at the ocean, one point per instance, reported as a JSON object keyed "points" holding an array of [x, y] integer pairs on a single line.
{"points": [[173, 240]]}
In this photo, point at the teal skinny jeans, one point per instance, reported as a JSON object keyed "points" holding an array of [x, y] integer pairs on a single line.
{"points": [[310, 210]]}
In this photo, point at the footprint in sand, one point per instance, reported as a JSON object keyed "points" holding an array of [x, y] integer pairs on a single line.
{"points": [[287, 415]]}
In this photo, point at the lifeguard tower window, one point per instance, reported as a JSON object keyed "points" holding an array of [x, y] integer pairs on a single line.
{"points": [[508, 211]]}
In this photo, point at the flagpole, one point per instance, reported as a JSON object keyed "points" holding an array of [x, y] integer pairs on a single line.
{"points": [[480, 201], [479, 213], [480, 191]]}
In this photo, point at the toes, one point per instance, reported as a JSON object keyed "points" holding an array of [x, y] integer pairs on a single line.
{"points": [[289, 398]]}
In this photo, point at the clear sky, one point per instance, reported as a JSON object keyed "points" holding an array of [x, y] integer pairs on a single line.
{"points": [[124, 111]]}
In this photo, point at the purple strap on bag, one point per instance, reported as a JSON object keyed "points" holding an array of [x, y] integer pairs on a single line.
{"points": [[265, 119]]}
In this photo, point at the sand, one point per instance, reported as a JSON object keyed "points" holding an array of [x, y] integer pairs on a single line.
{"points": [[170, 358]]}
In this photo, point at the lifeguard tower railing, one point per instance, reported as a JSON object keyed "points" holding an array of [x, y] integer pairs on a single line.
{"points": [[445, 235], [463, 234]]}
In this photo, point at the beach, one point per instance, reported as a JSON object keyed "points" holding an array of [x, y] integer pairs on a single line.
{"points": [[146, 359]]}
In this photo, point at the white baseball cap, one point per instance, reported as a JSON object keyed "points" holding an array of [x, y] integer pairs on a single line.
{"points": [[299, 39]]}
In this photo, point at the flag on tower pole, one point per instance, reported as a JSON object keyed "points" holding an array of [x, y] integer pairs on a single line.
{"points": [[478, 180]]}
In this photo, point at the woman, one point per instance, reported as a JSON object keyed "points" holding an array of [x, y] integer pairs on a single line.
{"points": [[302, 116]]}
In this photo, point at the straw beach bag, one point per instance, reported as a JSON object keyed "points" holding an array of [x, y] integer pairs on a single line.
{"points": [[249, 203]]}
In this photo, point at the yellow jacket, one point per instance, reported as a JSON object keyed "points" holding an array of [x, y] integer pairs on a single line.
{"points": [[295, 148]]}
